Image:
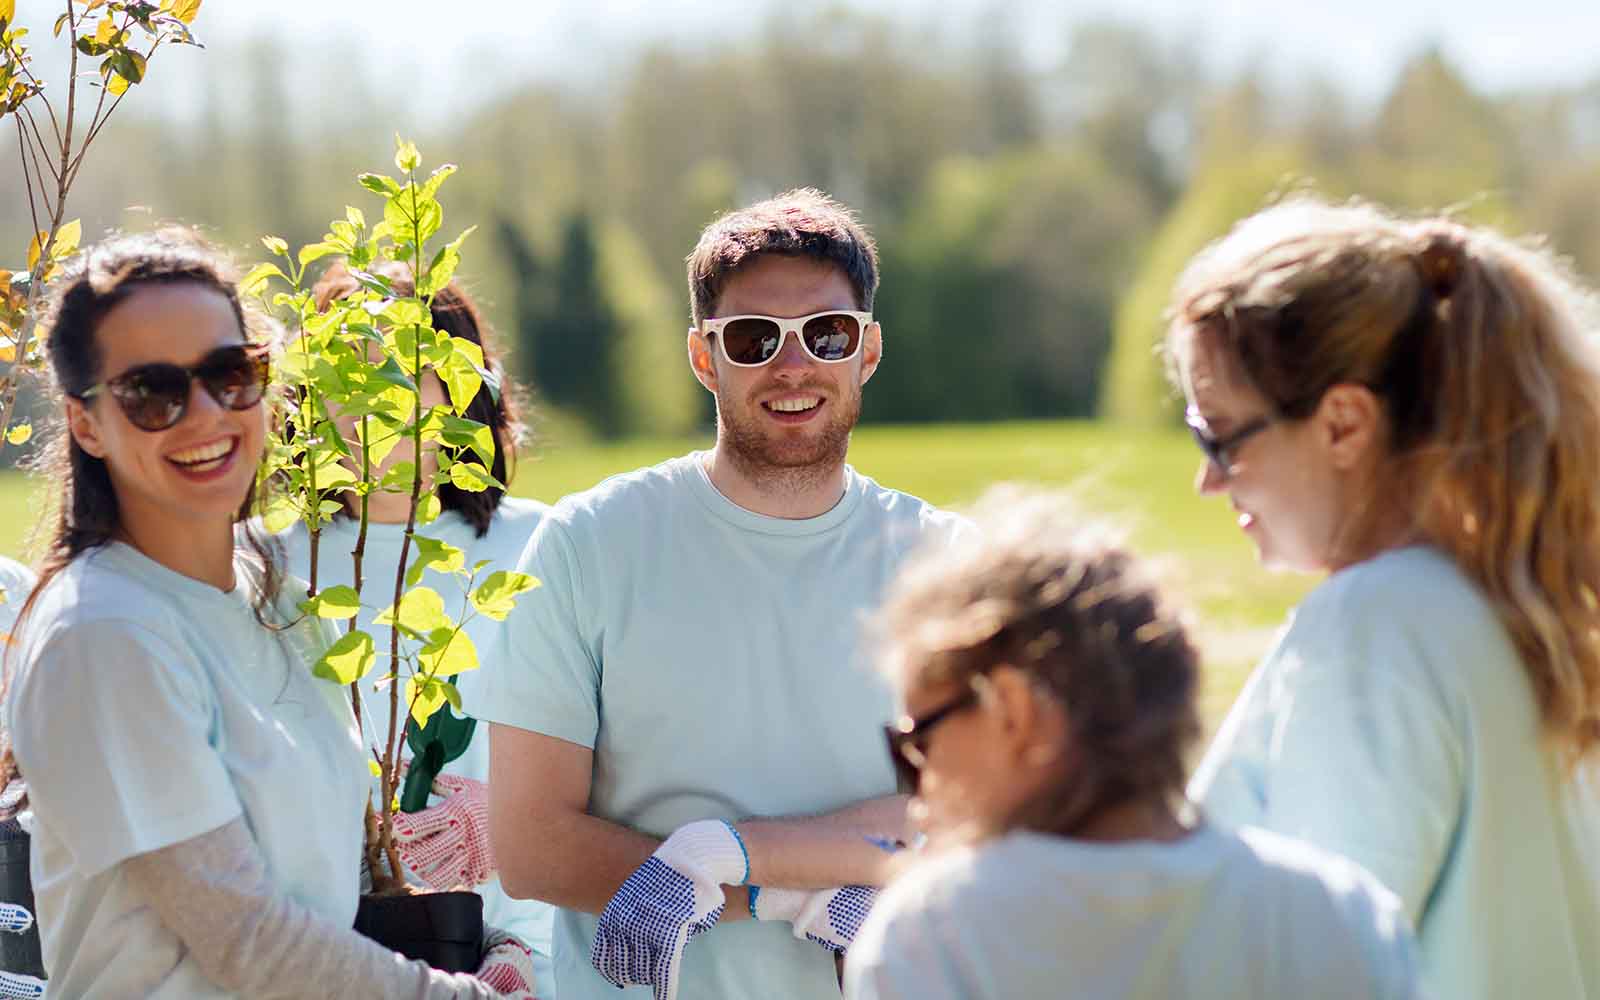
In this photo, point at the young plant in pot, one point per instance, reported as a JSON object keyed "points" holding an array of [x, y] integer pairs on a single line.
{"points": [[372, 385]]}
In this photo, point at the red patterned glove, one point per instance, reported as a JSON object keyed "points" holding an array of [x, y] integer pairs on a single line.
{"points": [[507, 966], [447, 845]]}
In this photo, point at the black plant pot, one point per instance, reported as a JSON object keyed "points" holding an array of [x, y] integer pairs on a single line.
{"points": [[18, 952], [444, 929]]}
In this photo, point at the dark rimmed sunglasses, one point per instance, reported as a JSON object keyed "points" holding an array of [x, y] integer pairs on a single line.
{"points": [[751, 341], [908, 740], [156, 396], [1219, 451]]}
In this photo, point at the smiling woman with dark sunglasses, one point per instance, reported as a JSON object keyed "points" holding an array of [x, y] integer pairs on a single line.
{"points": [[196, 793], [1050, 698]]}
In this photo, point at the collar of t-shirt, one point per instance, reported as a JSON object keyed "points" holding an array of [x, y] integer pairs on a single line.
{"points": [[721, 507]]}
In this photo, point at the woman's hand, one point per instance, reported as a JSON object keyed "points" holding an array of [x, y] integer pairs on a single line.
{"points": [[507, 966], [447, 845]]}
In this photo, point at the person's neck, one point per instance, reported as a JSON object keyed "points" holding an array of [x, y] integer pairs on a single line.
{"points": [[792, 494], [1134, 820], [201, 551], [384, 508]]}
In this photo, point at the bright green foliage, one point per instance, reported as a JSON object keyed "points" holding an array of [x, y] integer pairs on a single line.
{"points": [[362, 359]]}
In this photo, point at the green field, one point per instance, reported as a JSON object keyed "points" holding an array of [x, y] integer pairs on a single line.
{"points": [[1139, 479]]}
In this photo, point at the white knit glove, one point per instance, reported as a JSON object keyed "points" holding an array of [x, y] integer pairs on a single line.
{"points": [[674, 895], [830, 917]]}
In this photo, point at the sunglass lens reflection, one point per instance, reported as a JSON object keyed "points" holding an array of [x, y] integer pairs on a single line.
{"points": [[832, 338], [751, 341]]}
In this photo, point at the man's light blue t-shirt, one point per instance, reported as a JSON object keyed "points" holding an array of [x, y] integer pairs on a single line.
{"points": [[712, 659], [1394, 724], [501, 545]]}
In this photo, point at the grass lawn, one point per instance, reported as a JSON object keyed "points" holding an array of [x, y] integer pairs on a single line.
{"points": [[1139, 479]]}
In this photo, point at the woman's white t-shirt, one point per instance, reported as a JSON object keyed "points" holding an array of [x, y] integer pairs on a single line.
{"points": [[502, 545], [1394, 724], [149, 708], [1213, 916]]}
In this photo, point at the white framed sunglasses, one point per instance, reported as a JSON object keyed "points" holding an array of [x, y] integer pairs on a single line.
{"points": [[752, 340]]}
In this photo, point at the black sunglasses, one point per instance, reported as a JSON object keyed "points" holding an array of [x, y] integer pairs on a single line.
{"points": [[908, 740], [1220, 451], [155, 396]]}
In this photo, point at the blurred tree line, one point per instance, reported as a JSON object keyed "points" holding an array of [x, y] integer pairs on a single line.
{"points": [[1031, 220]]}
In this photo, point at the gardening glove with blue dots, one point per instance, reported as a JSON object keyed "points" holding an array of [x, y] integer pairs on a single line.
{"points": [[830, 917], [16, 919], [674, 895]]}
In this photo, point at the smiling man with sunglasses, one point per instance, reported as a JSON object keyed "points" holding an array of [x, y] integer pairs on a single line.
{"points": [[691, 670]]}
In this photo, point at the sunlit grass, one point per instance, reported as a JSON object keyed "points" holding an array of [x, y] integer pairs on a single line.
{"points": [[1140, 480]]}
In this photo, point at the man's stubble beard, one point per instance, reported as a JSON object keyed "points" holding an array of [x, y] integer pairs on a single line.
{"points": [[776, 466]]}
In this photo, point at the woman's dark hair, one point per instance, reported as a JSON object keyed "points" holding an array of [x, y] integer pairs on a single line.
{"points": [[1035, 590], [103, 276], [455, 313]]}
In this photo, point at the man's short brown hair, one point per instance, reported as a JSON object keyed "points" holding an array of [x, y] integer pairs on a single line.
{"points": [[799, 223]]}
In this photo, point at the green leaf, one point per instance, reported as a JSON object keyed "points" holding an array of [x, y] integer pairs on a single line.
{"points": [[279, 515], [425, 696], [337, 603], [128, 64], [461, 378], [67, 238], [186, 10], [406, 157], [275, 245], [316, 251], [449, 651], [497, 594], [421, 610], [19, 434], [461, 432], [355, 217], [472, 477], [379, 184], [430, 187], [347, 660], [405, 312], [255, 282], [442, 556], [428, 508]]}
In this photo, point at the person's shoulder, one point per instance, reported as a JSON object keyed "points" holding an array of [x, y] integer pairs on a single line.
{"points": [[1412, 584], [626, 495], [1294, 866], [1414, 603], [520, 512], [907, 510]]}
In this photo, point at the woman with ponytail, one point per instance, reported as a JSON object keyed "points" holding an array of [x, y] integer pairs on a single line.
{"points": [[196, 792], [1413, 409]]}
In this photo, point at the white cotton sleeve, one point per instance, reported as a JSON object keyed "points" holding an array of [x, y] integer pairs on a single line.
{"points": [[540, 671], [212, 891], [115, 732]]}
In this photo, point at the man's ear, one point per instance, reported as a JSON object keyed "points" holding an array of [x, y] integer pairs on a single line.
{"points": [[700, 361], [871, 350], [1350, 424], [84, 428]]}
